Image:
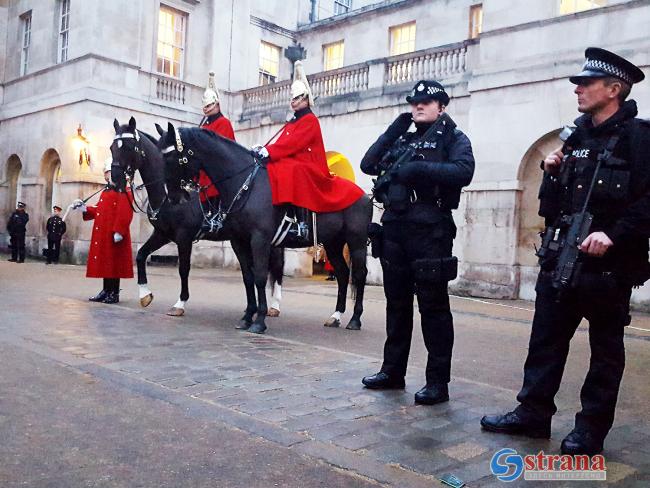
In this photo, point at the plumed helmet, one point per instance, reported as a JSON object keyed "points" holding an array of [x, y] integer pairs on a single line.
{"points": [[211, 93], [300, 85]]}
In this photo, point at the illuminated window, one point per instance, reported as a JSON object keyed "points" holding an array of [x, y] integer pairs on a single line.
{"points": [[171, 41], [342, 6], [402, 39], [475, 20], [26, 20], [269, 63], [333, 55], [572, 6], [64, 31]]}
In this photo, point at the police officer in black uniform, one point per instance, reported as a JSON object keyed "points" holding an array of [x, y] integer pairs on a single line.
{"points": [[614, 256], [418, 233], [55, 229], [17, 226]]}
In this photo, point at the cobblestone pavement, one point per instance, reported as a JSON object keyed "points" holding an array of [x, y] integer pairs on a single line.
{"points": [[296, 393]]}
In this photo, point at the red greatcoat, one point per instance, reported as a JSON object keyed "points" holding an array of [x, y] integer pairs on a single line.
{"points": [[298, 169], [222, 126], [108, 259]]}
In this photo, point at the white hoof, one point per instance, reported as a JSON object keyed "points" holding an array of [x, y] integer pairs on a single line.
{"points": [[146, 300], [176, 312], [273, 312]]}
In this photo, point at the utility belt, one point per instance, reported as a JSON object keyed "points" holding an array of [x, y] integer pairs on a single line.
{"points": [[428, 270], [399, 198]]}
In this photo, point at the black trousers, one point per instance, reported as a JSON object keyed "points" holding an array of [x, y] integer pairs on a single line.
{"points": [[17, 245], [403, 243], [605, 304], [53, 249], [112, 284]]}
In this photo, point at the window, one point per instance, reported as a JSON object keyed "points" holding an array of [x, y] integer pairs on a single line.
{"points": [[333, 55], [342, 6], [269, 63], [402, 39], [26, 20], [64, 31], [171, 42], [572, 6], [475, 20]]}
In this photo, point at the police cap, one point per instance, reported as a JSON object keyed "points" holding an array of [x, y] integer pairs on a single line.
{"points": [[428, 90], [600, 63]]}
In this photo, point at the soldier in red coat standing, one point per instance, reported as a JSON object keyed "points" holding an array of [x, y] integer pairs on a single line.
{"points": [[297, 167], [110, 255]]}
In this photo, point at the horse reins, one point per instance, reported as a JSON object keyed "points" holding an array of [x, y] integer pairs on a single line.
{"points": [[152, 213], [216, 222]]}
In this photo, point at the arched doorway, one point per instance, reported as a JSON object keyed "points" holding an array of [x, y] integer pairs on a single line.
{"points": [[530, 223], [51, 173], [12, 182]]}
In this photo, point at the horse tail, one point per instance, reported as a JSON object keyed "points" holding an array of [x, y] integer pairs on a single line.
{"points": [[276, 265]]}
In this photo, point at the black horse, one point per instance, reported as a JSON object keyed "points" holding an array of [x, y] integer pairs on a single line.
{"points": [[252, 220], [133, 150]]}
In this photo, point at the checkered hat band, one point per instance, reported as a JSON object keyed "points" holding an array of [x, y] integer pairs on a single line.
{"points": [[431, 90], [598, 65]]}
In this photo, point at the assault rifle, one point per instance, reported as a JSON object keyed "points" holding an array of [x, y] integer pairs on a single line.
{"points": [[390, 164], [567, 236]]}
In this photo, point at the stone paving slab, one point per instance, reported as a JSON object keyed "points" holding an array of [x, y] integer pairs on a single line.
{"points": [[304, 397]]}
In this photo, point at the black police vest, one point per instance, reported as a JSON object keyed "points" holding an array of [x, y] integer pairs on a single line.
{"points": [[424, 202]]}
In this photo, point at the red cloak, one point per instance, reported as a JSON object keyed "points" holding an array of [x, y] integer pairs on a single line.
{"points": [[298, 169]]}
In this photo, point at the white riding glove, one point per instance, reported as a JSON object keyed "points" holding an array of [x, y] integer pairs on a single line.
{"points": [[79, 204], [261, 151], [117, 237]]}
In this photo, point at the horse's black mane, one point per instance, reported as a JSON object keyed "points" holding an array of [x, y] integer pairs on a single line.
{"points": [[196, 135], [148, 136]]}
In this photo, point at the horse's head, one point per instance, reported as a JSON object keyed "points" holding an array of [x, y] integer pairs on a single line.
{"points": [[127, 153], [181, 165]]}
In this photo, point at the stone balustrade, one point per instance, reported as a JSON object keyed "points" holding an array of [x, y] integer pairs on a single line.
{"points": [[441, 63], [171, 90], [438, 63]]}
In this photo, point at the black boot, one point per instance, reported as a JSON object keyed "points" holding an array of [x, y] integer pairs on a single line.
{"points": [[581, 442], [432, 394], [112, 297], [381, 381], [514, 424], [99, 297]]}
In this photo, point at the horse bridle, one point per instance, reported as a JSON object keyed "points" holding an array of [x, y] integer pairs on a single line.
{"points": [[218, 220], [152, 213]]}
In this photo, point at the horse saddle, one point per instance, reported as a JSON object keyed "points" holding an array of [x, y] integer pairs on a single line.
{"points": [[296, 228]]}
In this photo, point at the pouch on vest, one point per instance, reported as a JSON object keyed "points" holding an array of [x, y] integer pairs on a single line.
{"points": [[550, 194], [435, 270]]}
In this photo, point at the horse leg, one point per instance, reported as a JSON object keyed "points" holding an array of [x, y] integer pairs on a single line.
{"points": [[245, 258], [359, 274], [334, 252], [276, 270], [261, 249], [184, 245], [155, 242]]}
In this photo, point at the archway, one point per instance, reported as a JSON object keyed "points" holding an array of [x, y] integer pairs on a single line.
{"points": [[51, 173], [530, 223], [12, 182]]}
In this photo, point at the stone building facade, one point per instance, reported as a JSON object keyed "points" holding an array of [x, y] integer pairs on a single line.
{"points": [[505, 63]]}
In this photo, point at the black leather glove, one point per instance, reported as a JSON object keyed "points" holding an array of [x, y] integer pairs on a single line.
{"points": [[399, 126], [411, 172]]}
